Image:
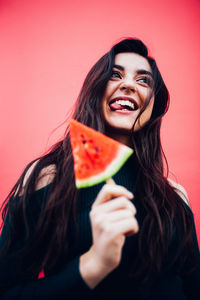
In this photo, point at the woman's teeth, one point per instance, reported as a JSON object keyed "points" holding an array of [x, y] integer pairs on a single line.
{"points": [[125, 103], [122, 105]]}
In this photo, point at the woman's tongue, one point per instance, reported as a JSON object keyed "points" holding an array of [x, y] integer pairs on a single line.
{"points": [[116, 106]]}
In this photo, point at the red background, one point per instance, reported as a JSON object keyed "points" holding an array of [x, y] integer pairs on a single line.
{"points": [[46, 50]]}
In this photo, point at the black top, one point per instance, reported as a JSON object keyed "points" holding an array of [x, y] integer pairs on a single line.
{"points": [[65, 282]]}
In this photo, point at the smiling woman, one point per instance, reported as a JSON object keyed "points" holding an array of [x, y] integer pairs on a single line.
{"points": [[129, 88], [136, 237]]}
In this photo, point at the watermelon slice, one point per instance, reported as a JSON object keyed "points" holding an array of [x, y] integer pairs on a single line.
{"points": [[96, 156]]}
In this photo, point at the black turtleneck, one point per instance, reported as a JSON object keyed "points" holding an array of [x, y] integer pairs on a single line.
{"points": [[65, 281]]}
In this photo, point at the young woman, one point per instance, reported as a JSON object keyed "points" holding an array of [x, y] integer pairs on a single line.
{"points": [[135, 239]]}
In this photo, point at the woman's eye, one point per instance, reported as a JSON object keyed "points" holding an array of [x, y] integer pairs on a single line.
{"points": [[115, 74], [146, 80]]}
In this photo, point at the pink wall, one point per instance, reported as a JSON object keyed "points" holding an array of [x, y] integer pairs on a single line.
{"points": [[46, 49]]}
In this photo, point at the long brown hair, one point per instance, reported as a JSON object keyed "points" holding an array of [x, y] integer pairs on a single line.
{"points": [[163, 209]]}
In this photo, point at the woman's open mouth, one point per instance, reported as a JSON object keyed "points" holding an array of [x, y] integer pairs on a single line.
{"points": [[123, 104]]}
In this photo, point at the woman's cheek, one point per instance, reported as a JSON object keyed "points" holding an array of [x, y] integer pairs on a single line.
{"points": [[145, 116]]}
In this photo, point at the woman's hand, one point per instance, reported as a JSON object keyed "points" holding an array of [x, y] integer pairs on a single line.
{"points": [[112, 219]]}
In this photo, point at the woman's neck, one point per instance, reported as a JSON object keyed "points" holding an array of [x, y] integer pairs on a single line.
{"points": [[122, 138]]}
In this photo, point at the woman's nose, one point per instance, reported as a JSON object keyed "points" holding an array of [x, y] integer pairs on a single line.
{"points": [[128, 85]]}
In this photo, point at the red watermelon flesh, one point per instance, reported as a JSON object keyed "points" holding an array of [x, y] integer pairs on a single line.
{"points": [[96, 156]]}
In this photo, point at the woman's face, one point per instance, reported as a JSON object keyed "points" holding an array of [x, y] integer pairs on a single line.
{"points": [[130, 86]]}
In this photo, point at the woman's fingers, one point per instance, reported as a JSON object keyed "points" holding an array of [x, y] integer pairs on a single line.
{"points": [[108, 216], [110, 191], [125, 226], [120, 214], [115, 204]]}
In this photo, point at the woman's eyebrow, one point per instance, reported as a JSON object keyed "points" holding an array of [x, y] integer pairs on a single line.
{"points": [[118, 67], [139, 72]]}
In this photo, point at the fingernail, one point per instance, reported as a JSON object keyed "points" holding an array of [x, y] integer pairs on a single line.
{"points": [[130, 195]]}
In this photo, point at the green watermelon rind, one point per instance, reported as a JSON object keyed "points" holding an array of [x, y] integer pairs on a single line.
{"points": [[122, 156]]}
